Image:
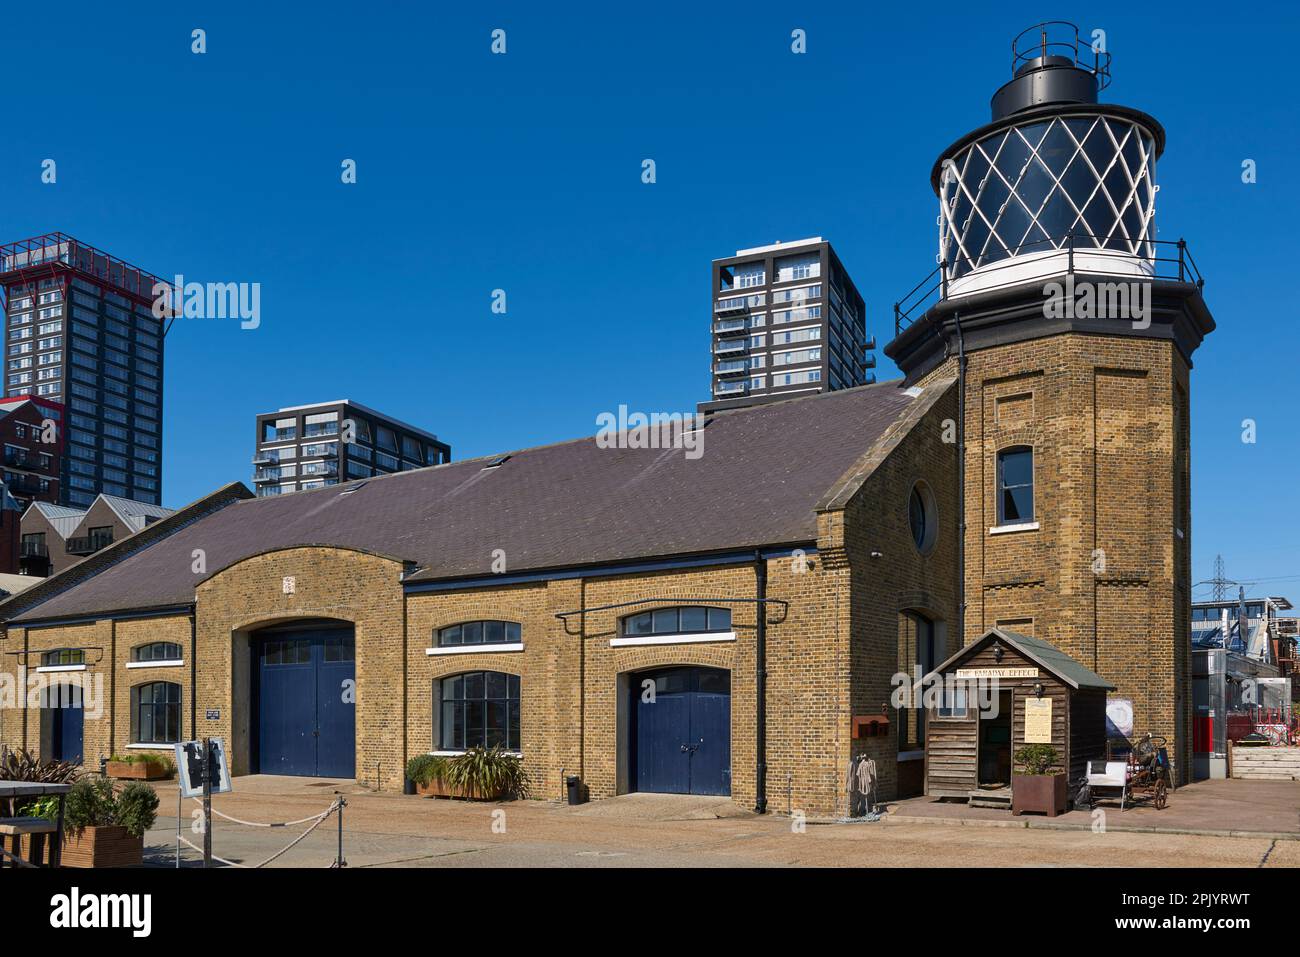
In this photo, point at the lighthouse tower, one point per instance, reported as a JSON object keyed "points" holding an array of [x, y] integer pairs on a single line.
{"points": [[1070, 327]]}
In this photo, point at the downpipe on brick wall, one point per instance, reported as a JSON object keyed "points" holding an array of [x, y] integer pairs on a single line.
{"points": [[760, 685], [961, 481]]}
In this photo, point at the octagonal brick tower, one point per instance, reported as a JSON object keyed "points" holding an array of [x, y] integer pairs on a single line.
{"points": [[1071, 329]]}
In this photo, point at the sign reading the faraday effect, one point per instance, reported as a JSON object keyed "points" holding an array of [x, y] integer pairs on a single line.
{"points": [[997, 673]]}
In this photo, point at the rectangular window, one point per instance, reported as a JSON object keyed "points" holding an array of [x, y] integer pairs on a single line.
{"points": [[1015, 478]]}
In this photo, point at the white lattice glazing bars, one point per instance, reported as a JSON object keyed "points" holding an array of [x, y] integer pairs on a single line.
{"points": [[1029, 188]]}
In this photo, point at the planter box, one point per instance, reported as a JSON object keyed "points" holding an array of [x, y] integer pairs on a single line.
{"points": [[96, 847], [137, 770], [1038, 793], [436, 788]]}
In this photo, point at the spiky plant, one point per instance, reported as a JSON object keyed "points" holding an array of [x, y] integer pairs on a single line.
{"points": [[485, 772]]}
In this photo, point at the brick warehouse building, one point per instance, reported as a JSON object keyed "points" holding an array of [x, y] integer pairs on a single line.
{"points": [[211, 600], [1031, 472]]}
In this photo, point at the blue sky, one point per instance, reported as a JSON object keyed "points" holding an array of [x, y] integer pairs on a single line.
{"points": [[522, 172]]}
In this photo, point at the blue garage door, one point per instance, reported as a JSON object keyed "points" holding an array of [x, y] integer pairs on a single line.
{"points": [[680, 734], [306, 703]]}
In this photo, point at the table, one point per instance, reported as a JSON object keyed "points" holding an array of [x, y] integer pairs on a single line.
{"points": [[30, 789]]}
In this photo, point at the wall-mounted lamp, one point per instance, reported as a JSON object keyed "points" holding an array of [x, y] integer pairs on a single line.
{"points": [[998, 651], [1038, 689]]}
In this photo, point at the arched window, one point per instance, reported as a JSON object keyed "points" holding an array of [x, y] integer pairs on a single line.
{"points": [[63, 656], [156, 713], [157, 651], [683, 620], [480, 633], [1016, 485], [478, 709]]}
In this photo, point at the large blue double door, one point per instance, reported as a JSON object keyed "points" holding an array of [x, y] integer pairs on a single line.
{"points": [[305, 683], [680, 733]]}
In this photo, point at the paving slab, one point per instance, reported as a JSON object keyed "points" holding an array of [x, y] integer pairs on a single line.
{"points": [[1217, 807]]}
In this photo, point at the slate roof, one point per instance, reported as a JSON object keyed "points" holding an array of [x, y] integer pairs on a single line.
{"points": [[757, 483]]}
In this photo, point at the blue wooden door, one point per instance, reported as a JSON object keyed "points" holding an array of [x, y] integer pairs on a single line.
{"points": [[680, 738], [336, 712], [66, 723], [306, 703]]}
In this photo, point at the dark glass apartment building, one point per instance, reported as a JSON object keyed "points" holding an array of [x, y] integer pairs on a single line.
{"points": [[787, 321], [310, 446], [80, 331]]}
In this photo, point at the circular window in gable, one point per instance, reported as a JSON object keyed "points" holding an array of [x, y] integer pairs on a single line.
{"points": [[922, 517]]}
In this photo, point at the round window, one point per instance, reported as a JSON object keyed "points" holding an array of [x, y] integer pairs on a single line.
{"points": [[921, 517]]}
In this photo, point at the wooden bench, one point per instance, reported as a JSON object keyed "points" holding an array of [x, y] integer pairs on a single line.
{"points": [[35, 828]]}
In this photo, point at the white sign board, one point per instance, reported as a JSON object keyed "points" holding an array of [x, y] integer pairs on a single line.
{"points": [[189, 768]]}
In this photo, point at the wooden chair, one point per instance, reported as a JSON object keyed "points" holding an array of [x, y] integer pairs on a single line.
{"points": [[35, 828]]}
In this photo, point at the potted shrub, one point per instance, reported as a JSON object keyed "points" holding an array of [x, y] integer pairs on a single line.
{"points": [[105, 826], [481, 774], [486, 774], [424, 771], [140, 767], [1036, 784]]}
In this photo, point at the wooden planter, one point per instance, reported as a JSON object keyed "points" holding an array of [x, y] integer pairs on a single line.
{"points": [[97, 847], [1038, 793], [137, 770], [436, 788]]}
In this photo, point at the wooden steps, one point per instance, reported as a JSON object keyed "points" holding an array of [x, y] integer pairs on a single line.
{"points": [[994, 797]]}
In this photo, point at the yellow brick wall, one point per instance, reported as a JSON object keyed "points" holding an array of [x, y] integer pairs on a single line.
{"points": [[1107, 418]]}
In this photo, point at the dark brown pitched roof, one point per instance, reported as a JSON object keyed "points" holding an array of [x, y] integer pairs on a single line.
{"points": [[762, 473]]}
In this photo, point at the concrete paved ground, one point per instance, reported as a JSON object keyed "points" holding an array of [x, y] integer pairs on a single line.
{"points": [[654, 831], [1206, 807]]}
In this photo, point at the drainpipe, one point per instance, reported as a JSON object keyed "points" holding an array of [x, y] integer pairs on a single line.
{"points": [[760, 686], [194, 677], [961, 482]]}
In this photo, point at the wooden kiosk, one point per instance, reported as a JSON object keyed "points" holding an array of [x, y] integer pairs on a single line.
{"points": [[1043, 696]]}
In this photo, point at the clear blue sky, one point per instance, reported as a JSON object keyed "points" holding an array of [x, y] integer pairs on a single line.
{"points": [[522, 172]]}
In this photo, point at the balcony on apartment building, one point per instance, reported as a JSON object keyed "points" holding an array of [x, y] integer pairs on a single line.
{"points": [[88, 544], [33, 559], [23, 459]]}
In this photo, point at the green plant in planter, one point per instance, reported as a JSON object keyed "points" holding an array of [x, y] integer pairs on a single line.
{"points": [[137, 808], [162, 760], [94, 802], [487, 771], [424, 769], [1037, 759]]}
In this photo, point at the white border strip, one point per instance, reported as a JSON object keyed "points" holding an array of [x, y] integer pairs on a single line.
{"points": [[1021, 527], [166, 663], [691, 639], [48, 669], [475, 649]]}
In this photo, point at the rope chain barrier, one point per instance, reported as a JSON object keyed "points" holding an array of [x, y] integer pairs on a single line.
{"points": [[316, 819]]}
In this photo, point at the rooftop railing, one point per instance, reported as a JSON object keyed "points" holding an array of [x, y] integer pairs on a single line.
{"points": [[1168, 260]]}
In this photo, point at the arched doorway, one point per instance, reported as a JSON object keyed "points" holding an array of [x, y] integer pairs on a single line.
{"points": [[304, 700], [679, 733]]}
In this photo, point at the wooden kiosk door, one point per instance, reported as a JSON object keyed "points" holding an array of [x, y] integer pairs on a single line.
{"points": [[995, 744]]}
